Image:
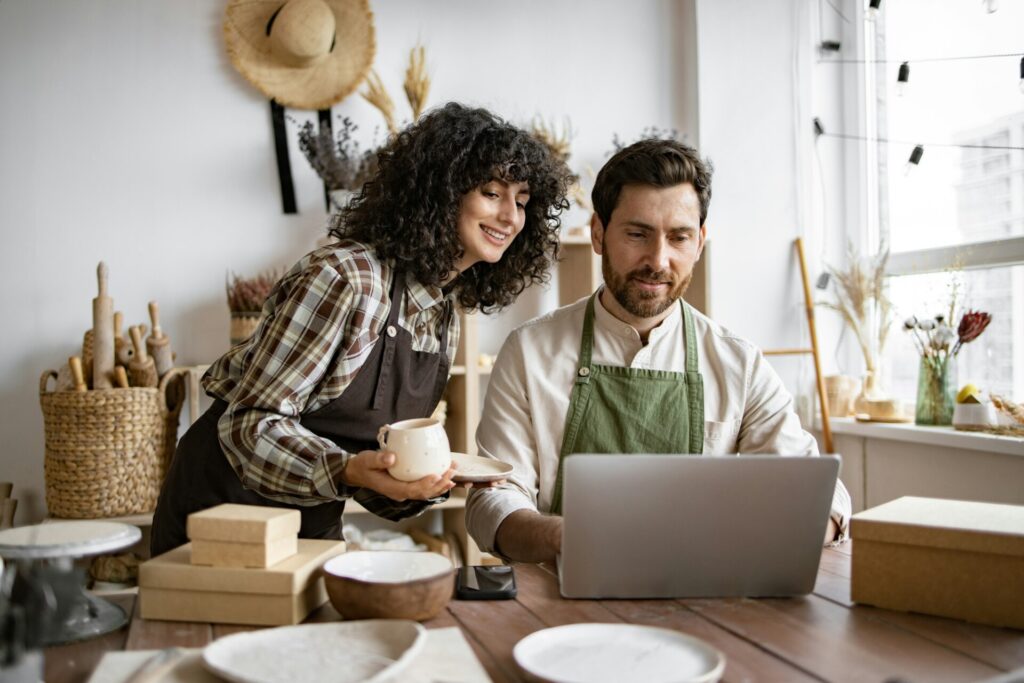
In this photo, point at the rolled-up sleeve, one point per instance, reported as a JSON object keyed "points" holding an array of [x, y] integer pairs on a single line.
{"points": [[505, 433], [770, 425]]}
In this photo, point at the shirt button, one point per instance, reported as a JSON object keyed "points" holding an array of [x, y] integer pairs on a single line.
{"points": [[392, 331], [584, 372]]}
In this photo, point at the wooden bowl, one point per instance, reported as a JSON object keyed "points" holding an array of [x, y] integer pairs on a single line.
{"points": [[386, 584]]}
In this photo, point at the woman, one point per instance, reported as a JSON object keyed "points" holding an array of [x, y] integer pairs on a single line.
{"points": [[463, 207]]}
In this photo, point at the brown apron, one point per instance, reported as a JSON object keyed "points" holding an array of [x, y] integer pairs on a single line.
{"points": [[395, 383]]}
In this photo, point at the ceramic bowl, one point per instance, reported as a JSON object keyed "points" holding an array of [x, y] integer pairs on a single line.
{"points": [[386, 584], [974, 415]]}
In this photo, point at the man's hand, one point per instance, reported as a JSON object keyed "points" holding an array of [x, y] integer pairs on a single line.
{"points": [[831, 530], [528, 536], [369, 469]]}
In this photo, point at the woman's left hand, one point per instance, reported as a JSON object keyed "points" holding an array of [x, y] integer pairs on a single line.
{"points": [[369, 469]]}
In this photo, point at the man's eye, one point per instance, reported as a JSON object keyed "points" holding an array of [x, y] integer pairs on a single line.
{"points": [[681, 238]]}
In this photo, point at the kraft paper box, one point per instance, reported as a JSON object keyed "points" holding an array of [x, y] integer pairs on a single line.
{"points": [[231, 554], [949, 558], [243, 523], [172, 588]]}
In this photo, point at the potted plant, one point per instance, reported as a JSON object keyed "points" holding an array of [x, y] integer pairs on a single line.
{"points": [[246, 296]]}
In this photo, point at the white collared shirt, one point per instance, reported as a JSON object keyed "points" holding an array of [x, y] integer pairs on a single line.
{"points": [[746, 407]]}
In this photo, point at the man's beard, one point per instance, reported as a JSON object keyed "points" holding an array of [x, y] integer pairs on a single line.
{"points": [[636, 301]]}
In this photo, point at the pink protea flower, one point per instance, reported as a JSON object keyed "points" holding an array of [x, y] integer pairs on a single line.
{"points": [[972, 324]]}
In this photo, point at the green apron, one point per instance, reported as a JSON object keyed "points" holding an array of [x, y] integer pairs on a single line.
{"points": [[625, 410]]}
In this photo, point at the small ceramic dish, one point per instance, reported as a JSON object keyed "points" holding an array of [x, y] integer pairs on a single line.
{"points": [[475, 469]]}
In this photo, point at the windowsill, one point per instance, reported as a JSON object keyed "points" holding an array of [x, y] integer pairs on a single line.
{"points": [[935, 436]]}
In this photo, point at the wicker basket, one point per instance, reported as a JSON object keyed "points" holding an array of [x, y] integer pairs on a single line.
{"points": [[243, 326], [107, 450]]}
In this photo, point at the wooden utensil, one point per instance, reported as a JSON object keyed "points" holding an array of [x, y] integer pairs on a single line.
{"points": [[123, 349], [75, 363], [141, 369], [159, 344], [87, 356], [120, 377], [102, 333]]}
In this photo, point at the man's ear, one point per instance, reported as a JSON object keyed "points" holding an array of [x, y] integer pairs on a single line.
{"points": [[596, 233], [701, 236]]}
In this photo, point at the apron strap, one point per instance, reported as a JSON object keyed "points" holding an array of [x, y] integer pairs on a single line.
{"points": [[387, 338], [694, 383], [584, 368]]}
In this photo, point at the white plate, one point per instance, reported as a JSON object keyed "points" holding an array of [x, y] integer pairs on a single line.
{"points": [[342, 652], [617, 652], [473, 468]]}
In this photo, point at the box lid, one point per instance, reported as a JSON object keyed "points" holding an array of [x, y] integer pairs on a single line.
{"points": [[174, 569], [243, 523], [939, 523]]}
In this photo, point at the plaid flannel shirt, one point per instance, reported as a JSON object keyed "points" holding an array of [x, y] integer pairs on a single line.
{"points": [[319, 325]]}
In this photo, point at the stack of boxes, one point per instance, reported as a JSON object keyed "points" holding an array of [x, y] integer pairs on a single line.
{"points": [[245, 565]]}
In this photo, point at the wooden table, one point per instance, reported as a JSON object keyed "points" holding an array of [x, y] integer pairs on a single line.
{"points": [[822, 636]]}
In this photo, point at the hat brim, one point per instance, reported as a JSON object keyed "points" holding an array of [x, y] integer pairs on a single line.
{"points": [[318, 86]]}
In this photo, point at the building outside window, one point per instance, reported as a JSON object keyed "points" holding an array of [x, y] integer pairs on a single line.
{"points": [[955, 220]]}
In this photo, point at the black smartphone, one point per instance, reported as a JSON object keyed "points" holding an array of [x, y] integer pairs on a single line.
{"points": [[496, 582]]}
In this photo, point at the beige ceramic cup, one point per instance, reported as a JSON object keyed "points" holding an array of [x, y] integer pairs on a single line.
{"points": [[420, 446]]}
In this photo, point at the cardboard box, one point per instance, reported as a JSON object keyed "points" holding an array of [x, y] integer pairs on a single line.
{"points": [[243, 523], [172, 588], [231, 554], [950, 558]]}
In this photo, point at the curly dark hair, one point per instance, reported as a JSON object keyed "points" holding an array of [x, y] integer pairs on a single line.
{"points": [[408, 212], [659, 162]]}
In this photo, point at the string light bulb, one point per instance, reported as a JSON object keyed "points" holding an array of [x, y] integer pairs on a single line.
{"points": [[819, 129], [914, 160], [903, 79], [1022, 74], [873, 9]]}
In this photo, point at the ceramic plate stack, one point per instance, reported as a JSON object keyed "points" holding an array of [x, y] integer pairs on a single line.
{"points": [[343, 652]]}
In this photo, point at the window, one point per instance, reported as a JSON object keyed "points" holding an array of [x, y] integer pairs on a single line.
{"points": [[957, 217]]}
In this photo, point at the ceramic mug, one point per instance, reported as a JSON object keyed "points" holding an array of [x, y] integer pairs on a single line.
{"points": [[420, 446]]}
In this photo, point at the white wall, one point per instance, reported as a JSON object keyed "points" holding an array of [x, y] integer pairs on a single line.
{"points": [[126, 136], [759, 91]]}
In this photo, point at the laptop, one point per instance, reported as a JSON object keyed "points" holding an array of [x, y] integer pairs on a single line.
{"points": [[684, 526]]}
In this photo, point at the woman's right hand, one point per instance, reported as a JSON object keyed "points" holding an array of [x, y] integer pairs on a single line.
{"points": [[369, 469]]}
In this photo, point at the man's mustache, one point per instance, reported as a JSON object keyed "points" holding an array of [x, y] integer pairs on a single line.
{"points": [[648, 274]]}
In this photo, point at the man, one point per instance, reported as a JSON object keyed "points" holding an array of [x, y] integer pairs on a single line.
{"points": [[631, 369]]}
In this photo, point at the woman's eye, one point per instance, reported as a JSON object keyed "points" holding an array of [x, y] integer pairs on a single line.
{"points": [[521, 205]]}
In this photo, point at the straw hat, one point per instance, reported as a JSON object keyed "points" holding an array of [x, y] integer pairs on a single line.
{"points": [[307, 54]]}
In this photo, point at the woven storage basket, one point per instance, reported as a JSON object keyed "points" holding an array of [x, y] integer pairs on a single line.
{"points": [[107, 450]]}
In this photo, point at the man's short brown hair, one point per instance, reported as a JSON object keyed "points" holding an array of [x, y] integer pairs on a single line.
{"points": [[655, 162]]}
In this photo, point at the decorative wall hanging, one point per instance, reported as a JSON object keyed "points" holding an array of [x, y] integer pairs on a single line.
{"points": [[305, 54]]}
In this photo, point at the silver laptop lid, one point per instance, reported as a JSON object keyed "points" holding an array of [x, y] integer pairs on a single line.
{"points": [[675, 526]]}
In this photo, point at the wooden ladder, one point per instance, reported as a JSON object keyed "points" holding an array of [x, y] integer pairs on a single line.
{"points": [[826, 428]]}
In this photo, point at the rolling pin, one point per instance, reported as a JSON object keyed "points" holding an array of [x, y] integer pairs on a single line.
{"points": [[123, 349], [120, 377], [75, 363], [102, 333], [159, 344], [141, 369]]}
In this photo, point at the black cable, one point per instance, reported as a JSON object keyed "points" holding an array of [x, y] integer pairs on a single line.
{"points": [[924, 144], [917, 61]]}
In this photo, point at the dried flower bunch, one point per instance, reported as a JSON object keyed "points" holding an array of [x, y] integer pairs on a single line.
{"points": [[416, 86], [618, 144], [936, 338], [862, 302], [247, 294], [559, 141], [339, 161]]}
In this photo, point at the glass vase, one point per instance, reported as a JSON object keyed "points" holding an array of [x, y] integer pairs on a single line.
{"points": [[936, 390]]}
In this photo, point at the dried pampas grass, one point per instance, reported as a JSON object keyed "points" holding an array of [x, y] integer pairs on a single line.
{"points": [[416, 86], [862, 302]]}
